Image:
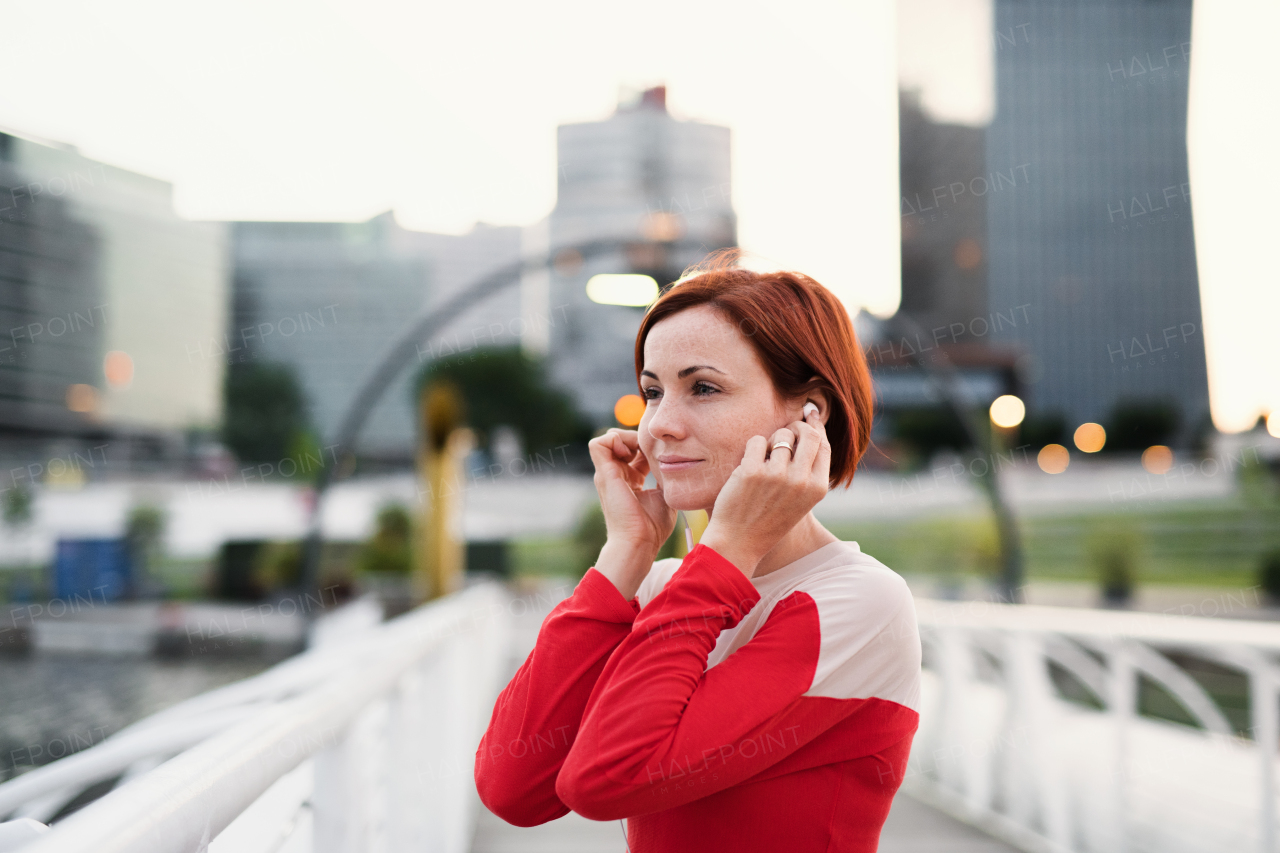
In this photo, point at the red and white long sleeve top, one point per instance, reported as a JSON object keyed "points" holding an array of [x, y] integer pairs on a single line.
{"points": [[713, 711]]}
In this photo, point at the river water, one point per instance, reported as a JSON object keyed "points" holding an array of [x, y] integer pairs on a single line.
{"points": [[52, 705]]}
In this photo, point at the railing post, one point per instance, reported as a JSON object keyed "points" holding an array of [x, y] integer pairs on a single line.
{"points": [[957, 770], [1122, 699], [1263, 712], [1032, 777]]}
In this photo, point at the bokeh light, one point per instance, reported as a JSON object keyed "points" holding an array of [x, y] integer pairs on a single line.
{"points": [[622, 289], [1273, 423], [1090, 437], [1007, 411], [118, 368], [1157, 459], [968, 254], [1053, 458], [629, 409], [82, 398]]}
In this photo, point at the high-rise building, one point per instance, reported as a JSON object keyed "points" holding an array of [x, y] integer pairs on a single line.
{"points": [[107, 294], [1098, 241], [942, 170], [640, 175], [327, 299]]}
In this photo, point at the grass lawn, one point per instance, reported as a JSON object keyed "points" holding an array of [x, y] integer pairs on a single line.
{"points": [[1217, 543]]}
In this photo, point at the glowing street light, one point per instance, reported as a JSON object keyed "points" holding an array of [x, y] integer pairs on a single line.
{"points": [[1007, 411], [629, 409], [1157, 459], [1090, 437], [118, 368], [622, 289], [1053, 458]]}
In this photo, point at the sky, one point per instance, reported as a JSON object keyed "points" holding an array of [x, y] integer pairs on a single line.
{"points": [[446, 113]]}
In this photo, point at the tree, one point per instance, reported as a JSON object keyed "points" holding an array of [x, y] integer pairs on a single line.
{"points": [[265, 411], [505, 386], [929, 430], [1044, 428], [389, 550], [1138, 424]]}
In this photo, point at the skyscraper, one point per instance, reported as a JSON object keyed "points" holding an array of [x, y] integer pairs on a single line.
{"points": [[638, 175], [944, 221], [1098, 242]]}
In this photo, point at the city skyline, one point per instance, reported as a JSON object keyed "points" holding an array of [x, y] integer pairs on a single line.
{"points": [[328, 113]]}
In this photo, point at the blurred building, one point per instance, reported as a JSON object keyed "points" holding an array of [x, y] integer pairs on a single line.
{"points": [[640, 175], [944, 312], [328, 298], [942, 168], [1091, 110], [108, 296]]}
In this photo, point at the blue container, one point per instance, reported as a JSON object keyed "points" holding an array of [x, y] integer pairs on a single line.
{"points": [[92, 569]]}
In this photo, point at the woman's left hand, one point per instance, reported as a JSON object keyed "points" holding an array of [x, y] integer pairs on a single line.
{"points": [[770, 492]]}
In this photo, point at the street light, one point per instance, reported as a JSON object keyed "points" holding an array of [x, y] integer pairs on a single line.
{"points": [[1007, 411], [631, 289], [1090, 437]]}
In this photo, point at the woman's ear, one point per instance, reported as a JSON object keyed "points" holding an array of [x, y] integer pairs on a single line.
{"points": [[820, 399]]}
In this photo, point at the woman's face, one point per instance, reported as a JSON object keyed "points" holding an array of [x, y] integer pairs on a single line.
{"points": [[707, 393]]}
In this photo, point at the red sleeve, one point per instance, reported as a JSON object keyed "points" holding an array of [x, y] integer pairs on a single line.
{"points": [[657, 714], [537, 715]]}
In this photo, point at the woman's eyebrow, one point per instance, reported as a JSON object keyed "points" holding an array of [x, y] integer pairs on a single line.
{"points": [[682, 374]]}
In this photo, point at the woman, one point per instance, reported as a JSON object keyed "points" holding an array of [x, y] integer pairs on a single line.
{"points": [[762, 693]]}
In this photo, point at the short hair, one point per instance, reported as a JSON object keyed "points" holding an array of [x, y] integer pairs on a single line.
{"points": [[803, 336]]}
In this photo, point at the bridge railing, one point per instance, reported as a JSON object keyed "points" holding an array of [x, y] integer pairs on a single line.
{"points": [[1000, 747], [363, 742]]}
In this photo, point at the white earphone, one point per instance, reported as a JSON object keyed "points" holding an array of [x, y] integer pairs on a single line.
{"points": [[809, 406]]}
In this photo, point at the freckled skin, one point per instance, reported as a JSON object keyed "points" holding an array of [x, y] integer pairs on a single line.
{"points": [[709, 414], [706, 437]]}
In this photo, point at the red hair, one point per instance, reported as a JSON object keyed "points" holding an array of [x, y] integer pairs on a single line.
{"points": [[803, 336]]}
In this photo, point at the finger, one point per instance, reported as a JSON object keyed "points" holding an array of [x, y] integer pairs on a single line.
{"points": [[640, 463], [757, 451], [605, 459], [822, 459], [626, 443], [780, 457], [809, 440]]}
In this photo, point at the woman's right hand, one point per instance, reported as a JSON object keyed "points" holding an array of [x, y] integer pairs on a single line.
{"points": [[638, 520], [633, 514]]}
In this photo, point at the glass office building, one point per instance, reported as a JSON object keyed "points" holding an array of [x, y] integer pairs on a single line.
{"points": [[1097, 241]]}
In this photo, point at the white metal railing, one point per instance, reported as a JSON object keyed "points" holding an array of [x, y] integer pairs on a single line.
{"points": [[363, 742], [998, 748]]}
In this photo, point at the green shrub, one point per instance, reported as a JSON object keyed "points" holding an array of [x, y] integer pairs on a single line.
{"points": [[1114, 554], [278, 565], [1269, 575], [588, 538], [390, 550]]}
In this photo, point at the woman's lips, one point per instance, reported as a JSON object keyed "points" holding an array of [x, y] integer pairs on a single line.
{"points": [[676, 463]]}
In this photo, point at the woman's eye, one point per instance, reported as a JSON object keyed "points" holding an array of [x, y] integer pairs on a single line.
{"points": [[702, 389], [652, 393]]}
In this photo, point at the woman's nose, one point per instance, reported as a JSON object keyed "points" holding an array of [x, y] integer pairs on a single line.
{"points": [[667, 421]]}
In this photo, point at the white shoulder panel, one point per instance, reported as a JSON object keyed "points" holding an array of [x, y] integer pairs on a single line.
{"points": [[659, 574], [870, 641]]}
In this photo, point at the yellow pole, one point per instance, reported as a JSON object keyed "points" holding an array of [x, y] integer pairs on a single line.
{"points": [[440, 550]]}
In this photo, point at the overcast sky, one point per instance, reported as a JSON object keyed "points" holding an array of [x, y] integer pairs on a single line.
{"points": [[446, 113]]}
